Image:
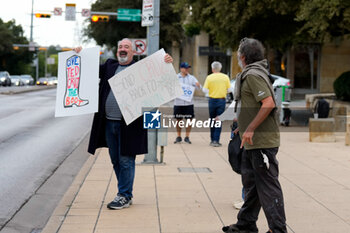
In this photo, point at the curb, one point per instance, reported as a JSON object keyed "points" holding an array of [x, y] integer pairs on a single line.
{"points": [[30, 89], [58, 216]]}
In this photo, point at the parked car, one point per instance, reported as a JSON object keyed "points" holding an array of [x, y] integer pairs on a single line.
{"points": [[27, 79], [5, 78], [280, 81], [16, 80]]}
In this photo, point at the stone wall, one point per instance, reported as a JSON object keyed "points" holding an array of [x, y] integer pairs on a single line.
{"points": [[334, 61]]}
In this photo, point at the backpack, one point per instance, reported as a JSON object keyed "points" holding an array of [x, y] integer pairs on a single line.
{"points": [[322, 108]]}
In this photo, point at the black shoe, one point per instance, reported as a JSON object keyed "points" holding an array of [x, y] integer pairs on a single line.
{"points": [[234, 228], [187, 139], [119, 202], [178, 140]]}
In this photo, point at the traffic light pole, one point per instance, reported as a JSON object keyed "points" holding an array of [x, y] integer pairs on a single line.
{"points": [[153, 46], [31, 22]]}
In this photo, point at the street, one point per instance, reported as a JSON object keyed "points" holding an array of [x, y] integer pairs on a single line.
{"points": [[33, 144]]}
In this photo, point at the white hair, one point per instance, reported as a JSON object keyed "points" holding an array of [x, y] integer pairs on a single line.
{"points": [[216, 66], [127, 40]]}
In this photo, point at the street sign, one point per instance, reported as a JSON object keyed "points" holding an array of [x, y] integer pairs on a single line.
{"points": [[70, 11], [31, 46], [85, 12], [147, 13], [133, 15], [140, 46], [57, 11]]}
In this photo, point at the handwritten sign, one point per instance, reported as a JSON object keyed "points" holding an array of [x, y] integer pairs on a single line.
{"points": [[188, 92], [148, 83], [77, 88]]}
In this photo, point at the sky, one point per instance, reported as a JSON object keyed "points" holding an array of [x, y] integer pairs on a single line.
{"points": [[52, 31]]}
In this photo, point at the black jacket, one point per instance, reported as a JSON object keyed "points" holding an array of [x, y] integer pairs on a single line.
{"points": [[133, 136]]}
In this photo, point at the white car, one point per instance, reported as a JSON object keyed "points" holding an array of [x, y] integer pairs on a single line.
{"points": [[16, 80], [280, 81]]}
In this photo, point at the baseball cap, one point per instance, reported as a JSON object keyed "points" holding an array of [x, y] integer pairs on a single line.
{"points": [[185, 65]]}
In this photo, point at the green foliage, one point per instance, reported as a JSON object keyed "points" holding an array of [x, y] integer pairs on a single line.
{"points": [[111, 32], [342, 86], [277, 23], [324, 19], [192, 29], [13, 61]]}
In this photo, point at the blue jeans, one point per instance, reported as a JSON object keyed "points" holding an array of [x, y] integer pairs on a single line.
{"points": [[216, 108], [123, 165]]}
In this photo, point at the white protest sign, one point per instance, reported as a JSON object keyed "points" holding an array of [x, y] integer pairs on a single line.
{"points": [[77, 88], [148, 83], [188, 92]]}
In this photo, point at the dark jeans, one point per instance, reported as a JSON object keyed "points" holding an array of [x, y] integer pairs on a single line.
{"points": [[123, 165], [262, 189], [216, 108]]}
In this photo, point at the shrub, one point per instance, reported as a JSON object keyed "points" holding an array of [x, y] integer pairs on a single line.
{"points": [[342, 86]]}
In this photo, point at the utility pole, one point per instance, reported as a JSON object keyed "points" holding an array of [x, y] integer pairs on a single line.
{"points": [[153, 46], [31, 24]]}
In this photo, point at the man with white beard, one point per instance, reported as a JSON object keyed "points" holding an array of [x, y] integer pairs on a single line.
{"points": [[110, 130]]}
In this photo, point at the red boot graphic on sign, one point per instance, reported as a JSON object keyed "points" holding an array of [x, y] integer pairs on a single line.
{"points": [[71, 96]]}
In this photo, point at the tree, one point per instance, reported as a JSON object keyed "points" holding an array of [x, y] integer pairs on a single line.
{"points": [[14, 61], [324, 20], [229, 21], [278, 23], [109, 33]]}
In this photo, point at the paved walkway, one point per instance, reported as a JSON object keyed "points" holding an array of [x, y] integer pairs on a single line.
{"points": [[314, 177]]}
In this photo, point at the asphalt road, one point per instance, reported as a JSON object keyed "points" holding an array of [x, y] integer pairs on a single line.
{"points": [[33, 144]]}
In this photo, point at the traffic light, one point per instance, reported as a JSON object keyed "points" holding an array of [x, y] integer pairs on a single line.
{"points": [[39, 15], [99, 18]]}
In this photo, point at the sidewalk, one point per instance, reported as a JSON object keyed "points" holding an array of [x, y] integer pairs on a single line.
{"points": [[314, 177]]}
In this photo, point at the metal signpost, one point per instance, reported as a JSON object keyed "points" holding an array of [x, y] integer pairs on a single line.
{"points": [[153, 46]]}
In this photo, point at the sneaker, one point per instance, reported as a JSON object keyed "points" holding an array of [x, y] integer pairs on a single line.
{"points": [[178, 140], [187, 139], [211, 143], [216, 144], [238, 205], [119, 202], [234, 228]]}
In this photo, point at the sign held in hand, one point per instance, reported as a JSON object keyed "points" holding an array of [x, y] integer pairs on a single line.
{"points": [[148, 83]]}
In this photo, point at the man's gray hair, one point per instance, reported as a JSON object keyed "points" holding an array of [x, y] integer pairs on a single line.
{"points": [[216, 66], [127, 40], [252, 50]]}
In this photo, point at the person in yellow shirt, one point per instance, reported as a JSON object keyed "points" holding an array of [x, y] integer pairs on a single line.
{"points": [[217, 84]]}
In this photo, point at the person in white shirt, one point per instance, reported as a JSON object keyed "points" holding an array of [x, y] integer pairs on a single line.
{"points": [[183, 106]]}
